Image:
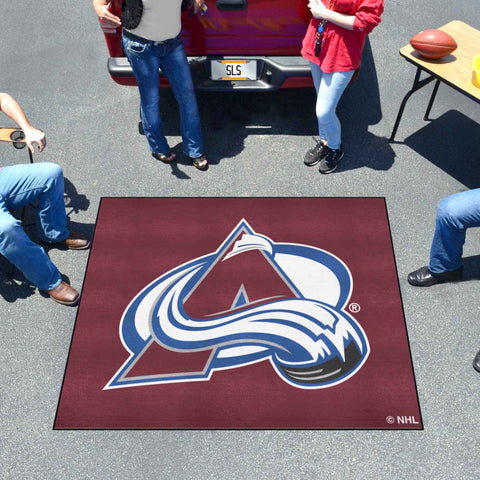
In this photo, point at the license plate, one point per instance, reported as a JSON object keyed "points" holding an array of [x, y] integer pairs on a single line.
{"points": [[234, 69]]}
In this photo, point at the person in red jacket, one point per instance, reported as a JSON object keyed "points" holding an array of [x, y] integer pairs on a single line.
{"points": [[333, 44]]}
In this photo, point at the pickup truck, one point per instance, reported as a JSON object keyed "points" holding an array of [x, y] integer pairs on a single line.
{"points": [[238, 45]]}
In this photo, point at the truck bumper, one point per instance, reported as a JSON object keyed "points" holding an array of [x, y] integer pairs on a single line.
{"points": [[273, 73]]}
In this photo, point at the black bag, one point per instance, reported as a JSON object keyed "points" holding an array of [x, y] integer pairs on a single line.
{"points": [[131, 13]]}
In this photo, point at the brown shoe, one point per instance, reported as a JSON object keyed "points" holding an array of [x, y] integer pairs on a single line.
{"points": [[199, 162], [165, 158], [64, 294], [75, 241]]}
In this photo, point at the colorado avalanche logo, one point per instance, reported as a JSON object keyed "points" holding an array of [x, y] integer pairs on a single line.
{"points": [[249, 301]]}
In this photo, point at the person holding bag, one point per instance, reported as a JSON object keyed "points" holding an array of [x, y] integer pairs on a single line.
{"points": [[151, 41], [333, 44]]}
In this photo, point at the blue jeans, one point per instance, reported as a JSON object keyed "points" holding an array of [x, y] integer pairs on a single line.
{"points": [[455, 214], [329, 87], [146, 58], [19, 186]]}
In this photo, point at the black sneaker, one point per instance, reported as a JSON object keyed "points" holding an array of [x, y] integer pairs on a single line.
{"points": [[330, 160], [315, 154]]}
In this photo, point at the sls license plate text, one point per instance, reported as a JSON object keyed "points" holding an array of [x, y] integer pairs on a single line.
{"points": [[234, 70]]}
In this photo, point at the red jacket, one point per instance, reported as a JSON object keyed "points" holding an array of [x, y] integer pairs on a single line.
{"points": [[341, 48]]}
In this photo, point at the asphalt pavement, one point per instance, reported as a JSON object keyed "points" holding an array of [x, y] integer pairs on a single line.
{"points": [[53, 61]]}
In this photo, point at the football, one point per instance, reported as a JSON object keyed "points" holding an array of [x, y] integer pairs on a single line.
{"points": [[433, 43]]}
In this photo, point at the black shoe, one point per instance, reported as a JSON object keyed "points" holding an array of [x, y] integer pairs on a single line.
{"points": [[330, 161], [476, 362], [423, 277], [315, 154]]}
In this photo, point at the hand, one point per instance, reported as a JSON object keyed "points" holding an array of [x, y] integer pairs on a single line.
{"points": [[198, 5], [32, 136], [318, 9], [104, 14]]}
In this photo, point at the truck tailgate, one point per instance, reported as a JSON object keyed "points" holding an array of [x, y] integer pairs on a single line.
{"points": [[262, 27]]}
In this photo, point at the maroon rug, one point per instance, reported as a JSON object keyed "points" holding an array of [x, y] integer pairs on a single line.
{"points": [[267, 313]]}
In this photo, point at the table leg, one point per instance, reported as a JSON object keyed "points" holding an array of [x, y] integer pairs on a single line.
{"points": [[432, 99], [417, 85]]}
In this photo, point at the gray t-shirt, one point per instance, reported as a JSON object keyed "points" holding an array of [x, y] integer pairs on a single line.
{"points": [[160, 20]]}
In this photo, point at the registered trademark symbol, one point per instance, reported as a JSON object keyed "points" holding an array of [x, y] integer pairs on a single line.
{"points": [[354, 307]]}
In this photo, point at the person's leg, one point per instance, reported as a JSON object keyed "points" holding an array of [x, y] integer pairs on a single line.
{"points": [[316, 153], [455, 214], [175, 67], [22, 184], [26, 255], [145, 65], [330, 89], [317, 78]]}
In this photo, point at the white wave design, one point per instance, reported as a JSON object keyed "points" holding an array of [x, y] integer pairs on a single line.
{"points": [[286, 325]]}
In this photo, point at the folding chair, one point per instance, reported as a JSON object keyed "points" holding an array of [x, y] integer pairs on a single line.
{"points": [[16, 137]]}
